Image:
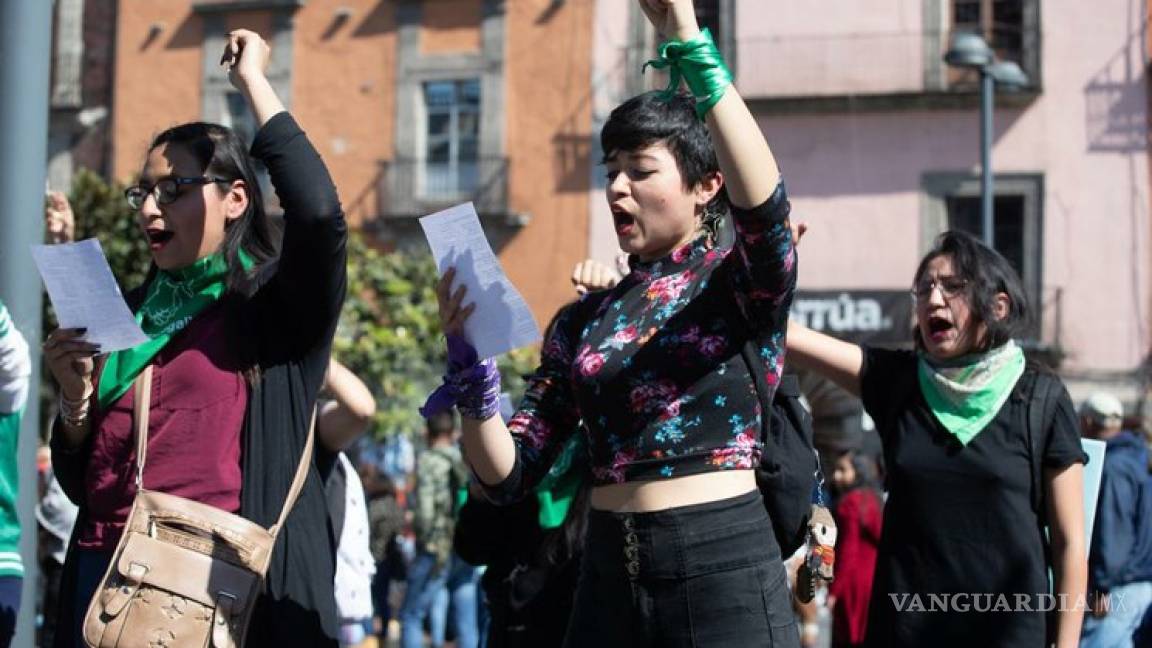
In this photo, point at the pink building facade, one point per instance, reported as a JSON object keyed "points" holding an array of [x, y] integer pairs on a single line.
{"points": [[879, 143]]}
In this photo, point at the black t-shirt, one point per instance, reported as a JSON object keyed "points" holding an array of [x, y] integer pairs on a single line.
{"points": [[961, 540]]}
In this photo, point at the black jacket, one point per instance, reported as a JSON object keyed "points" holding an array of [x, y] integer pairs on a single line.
{"points": [[287, 326]]}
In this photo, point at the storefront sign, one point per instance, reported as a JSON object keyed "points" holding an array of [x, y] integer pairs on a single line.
{"points": [[872, 316]]}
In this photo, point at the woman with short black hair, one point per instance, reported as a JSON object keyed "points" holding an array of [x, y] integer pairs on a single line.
{"points": [[680, 550]]}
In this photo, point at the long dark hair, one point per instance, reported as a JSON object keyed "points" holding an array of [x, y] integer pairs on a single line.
{"points": [[221, 153], [988, 273], [657, 118]]}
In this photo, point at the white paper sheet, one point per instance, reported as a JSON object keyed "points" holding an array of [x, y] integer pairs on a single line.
{"points": [[1093, 472], [502, 320], [85, 295]]}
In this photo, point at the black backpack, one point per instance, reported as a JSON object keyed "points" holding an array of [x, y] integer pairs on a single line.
{"points": [[789, 471]]}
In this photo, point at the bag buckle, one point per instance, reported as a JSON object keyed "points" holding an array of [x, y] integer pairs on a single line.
{"points": [[226, 604]]}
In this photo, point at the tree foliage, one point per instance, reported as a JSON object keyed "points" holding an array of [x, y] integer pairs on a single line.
{"points": [[102, 212]]}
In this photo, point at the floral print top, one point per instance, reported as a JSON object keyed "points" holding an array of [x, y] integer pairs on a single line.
{"points": [[653, 367]]}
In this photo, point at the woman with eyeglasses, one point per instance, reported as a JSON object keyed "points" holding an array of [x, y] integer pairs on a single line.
{"points": [[964, 559], [241, 328]]}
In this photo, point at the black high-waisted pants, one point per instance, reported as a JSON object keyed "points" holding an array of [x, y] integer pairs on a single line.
{"points": [[703, 575]]}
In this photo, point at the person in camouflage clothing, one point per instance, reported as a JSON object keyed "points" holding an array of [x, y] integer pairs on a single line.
{"points": [[441, 480]]}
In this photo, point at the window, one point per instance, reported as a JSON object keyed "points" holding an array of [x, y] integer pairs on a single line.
{"points": [[451, 165], [953, 202], [240, 119], [1007, 223], [1004, 25]]}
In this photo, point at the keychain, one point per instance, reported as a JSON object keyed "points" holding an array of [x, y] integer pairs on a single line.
{"points": [[820, 553]]}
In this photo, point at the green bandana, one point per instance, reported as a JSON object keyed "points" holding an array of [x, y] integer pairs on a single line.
{"points": [[559, 486], [966, 393], [698, 61], [173, 299]]}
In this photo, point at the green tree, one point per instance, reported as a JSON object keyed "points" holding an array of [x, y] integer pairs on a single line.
{"points": [[102, 212]]}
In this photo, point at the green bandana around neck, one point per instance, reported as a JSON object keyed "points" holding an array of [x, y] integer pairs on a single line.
{"points": [[174, 298], [556, 490], [966, 394]]}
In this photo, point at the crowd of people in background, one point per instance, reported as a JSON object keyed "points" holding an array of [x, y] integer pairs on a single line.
{"points": [[616, 505]]}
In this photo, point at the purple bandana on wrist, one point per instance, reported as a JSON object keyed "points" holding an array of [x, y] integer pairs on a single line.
{"points": [[472, 385]]}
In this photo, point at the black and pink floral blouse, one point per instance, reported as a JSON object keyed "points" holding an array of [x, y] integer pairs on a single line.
{"points": [[653, 367]]}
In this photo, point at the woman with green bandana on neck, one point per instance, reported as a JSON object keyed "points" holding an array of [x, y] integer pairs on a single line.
{"points": [[963, 557], [240, 323]]}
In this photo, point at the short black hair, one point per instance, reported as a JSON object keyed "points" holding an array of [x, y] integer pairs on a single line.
{"points": [[988, 274], [658, 118], [440, 424]]}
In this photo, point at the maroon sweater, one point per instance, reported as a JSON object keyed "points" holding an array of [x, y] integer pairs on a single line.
{"points": [[198, 401]]}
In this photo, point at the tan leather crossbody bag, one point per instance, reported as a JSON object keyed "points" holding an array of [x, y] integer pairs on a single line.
{"points": [[184, 573]]}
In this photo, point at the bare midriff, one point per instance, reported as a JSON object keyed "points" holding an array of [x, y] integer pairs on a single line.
{"points": [[647, 496]]}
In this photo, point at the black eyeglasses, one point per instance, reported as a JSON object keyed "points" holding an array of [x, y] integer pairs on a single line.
{"points": [[949, 287], [166, 190]]}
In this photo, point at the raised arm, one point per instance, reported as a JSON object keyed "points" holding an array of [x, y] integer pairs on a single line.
{"points": [[749, 169], [344, 418], [837, 360], [763, 256], [307, 290], [246, 58]]}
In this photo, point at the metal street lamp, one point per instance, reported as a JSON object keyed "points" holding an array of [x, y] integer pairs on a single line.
{"points": [[969, 51]]}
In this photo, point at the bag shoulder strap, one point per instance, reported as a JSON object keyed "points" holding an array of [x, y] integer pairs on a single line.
{"points": [[299, 479], [1041, 410], [141, 406]]}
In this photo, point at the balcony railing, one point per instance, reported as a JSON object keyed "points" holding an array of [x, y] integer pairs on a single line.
{"points": [[414, 187]]}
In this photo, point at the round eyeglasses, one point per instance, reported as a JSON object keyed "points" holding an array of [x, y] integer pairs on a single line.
{"points": [[166, 190], [949, 287]]}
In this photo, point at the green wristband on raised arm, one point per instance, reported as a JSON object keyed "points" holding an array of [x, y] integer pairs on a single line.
{"points": [[699, 63]]}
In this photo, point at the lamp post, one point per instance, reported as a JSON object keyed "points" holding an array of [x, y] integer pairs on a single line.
{"points": [[969, 51]]}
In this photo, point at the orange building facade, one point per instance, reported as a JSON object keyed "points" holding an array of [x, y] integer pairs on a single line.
{"points": [[414, 105]]}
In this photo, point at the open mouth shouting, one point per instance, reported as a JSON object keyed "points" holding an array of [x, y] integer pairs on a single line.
{"points": [[939, 328], [158, 238], [625, 222]]}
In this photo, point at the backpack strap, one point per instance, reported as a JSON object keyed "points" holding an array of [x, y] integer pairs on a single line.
{"points": [[789, 389], [756, 368], [1041, 408]]}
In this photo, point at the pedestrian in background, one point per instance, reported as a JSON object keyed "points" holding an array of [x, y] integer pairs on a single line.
{"points": [[15, 379], [344, 414], [1120, 558], [436, 572]]}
